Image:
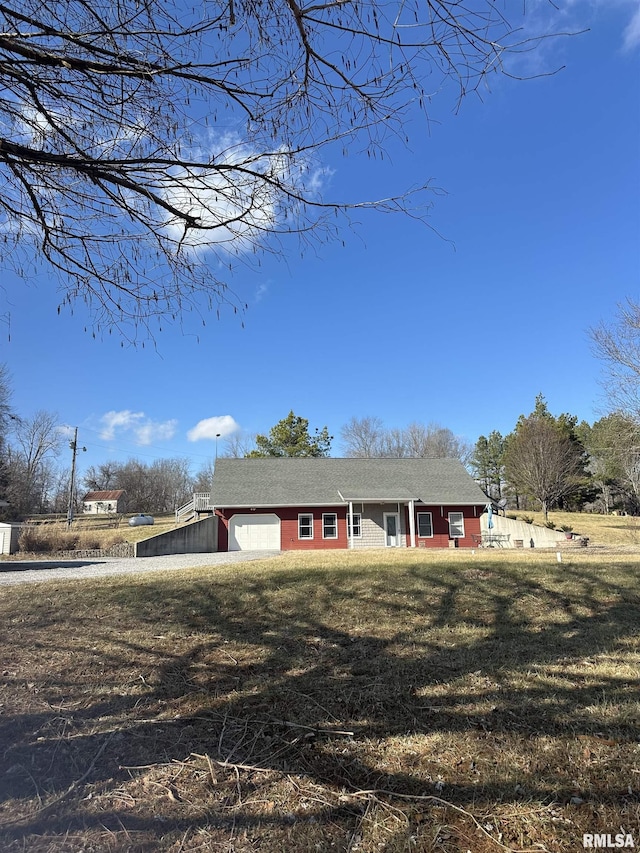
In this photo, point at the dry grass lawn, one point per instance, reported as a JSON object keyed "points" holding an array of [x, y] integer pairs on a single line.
{"points": [[602, 529], [86, 532], [324, 702]]}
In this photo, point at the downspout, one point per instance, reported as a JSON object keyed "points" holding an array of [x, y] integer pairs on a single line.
{"points": [[350, 544]]}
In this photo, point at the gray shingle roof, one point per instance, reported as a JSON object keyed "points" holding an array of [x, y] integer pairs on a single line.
{"points": [[331, 481]]}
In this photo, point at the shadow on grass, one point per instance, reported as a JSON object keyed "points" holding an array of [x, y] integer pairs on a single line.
{"points": [[205, 707], [42, 565]]}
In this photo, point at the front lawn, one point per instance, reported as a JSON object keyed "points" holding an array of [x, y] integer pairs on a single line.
{"points": [[347, 701]]}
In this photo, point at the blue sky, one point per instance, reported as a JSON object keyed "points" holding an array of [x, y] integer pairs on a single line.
{"points": [[536, 238]]}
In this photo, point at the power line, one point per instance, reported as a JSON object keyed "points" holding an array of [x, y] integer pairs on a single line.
{"points": [[125, 446]]}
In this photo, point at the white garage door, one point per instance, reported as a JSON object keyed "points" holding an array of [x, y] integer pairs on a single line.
{"points": [[254, 532]]}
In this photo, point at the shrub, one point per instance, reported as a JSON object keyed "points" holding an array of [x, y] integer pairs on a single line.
{"points": [[528, 519], [550, 524], [89, 542], [50, 538], [36, 539]]}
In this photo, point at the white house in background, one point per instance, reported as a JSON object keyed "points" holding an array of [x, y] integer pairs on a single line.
{"points": [[106, 501]]}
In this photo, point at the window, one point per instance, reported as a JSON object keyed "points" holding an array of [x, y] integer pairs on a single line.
{"points": [[425, 524], [357, 525], [305, 526], [456, 525], [329, 525]]}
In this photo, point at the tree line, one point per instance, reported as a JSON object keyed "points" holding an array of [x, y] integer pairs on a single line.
{"points": [[546, 462]]}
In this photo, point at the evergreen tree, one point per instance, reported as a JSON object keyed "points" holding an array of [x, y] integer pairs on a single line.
{"points": [[290, 437], [488, 463]]}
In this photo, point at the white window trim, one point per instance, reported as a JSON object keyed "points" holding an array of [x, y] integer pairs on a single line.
{"points": [[421, 535], [302, 515], [335, 516], [358, 525], [460, 524]]}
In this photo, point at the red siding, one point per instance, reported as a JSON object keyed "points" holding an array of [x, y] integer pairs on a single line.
{"points": [[289, 540], [440, 521], [289, 527], [223, 528]]}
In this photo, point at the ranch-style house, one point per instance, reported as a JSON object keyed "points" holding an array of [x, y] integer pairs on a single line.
{"points": [[307, 503]]}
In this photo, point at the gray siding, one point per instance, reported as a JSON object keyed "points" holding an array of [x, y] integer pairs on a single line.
{"points": [[372, 525]]}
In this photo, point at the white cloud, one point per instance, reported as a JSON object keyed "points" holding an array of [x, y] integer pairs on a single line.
{"points": [[235, 207], [150, 431], [209, 428], [541, 17], [319, 178], [631, 35], [144, 430], [586, 13], [123, 420], [262, 290]]}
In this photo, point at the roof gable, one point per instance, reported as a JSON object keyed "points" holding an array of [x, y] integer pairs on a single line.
{"points": [[328, 481]]}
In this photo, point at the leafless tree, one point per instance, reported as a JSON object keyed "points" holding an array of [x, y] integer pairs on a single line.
{"points": [[435, 441], [368, 437], [204, 477], [237, 446], [363, 437], [146, 145], [613, 447], [159, 487], [133, 477], [618, 345], [172, 483], [5, 398], [5, 415], [542, 462], [34, 447], [98, 478]]}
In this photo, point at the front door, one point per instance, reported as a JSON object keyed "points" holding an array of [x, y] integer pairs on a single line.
{"points": [[392, 529]]}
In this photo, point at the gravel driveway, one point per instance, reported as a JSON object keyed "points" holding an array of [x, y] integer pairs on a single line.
{"points": [[30, 571]]}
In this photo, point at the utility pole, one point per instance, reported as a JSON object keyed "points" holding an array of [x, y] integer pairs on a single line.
{"points": [[74, 449]]}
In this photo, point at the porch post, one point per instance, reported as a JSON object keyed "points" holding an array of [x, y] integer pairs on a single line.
{"points": [[350, 543], [412, 523]]}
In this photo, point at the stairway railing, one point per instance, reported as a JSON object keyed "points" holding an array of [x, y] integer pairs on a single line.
{"points": [[200, 502]]}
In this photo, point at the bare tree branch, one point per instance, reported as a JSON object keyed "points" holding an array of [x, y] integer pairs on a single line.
{"points": [[145, 145], [618, 346]]}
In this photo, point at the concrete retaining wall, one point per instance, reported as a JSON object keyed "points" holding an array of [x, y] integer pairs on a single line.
{"points": [[531, 535], [200, 537]]}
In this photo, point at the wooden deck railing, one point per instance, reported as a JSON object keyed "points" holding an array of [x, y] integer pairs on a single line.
{"points": [[200, 502]]}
